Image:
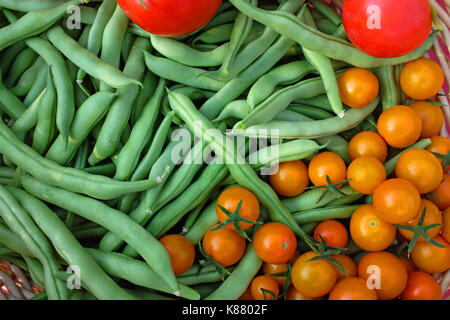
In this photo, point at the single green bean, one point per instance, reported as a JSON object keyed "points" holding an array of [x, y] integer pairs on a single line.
{"points": [[311, 112], [325, 10], [238, 109], [37, 87], [320, 101], [322, 214], [28, 119], [336, 144], [388, 88], [27, 79], [13, 241], [207, 219], [21, 63], [9, 101], [199, 274], [8, 55], [149, 84]]}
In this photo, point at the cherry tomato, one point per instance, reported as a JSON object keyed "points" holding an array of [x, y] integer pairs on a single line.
{"points": [[387, 274], [432, 117], [358, 87], [446, 225], [352, 288], [170, 18], [313, 278], [294, 294], [407, 263], [224, 245], [367, 143], [291, 179], [327, 164], [440, 145], [385, 28], [369, 231], [247, 295], [270, 268], [275, 243], [421, 286], [421, 79], [348, 264], [333, 232], [230, 198], [400, 126], [430, 258], [181, 251], [432, 216], [442, 193], [264, 283], [396, 201], [365, 174], [421, 168]]}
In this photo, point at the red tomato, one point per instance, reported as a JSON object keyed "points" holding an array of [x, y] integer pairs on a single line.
{"points": [[352, 289], [275, 243], [170, 18], [224, 245], [386, 28], [181, 251], [333, 232], [266, 283], [421, 286]]}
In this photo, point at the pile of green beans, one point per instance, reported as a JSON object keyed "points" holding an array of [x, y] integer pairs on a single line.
{"points": [[106, 130]]}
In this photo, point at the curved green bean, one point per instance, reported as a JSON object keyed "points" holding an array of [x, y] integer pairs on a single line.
{"points": [[22, 62], [9, 102], [27, 79]]}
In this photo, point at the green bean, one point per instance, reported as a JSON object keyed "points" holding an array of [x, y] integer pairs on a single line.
{"points": [[348, 199], [45, 127], [279, 101], [199, 274], [326, 11], [36, 271], [9, 102], [68, 178], [136, 272], [312, 199], [241, 172], [390, 164], [195, 212], [13, 241], [94, 44], [141, 133], [283, 75], [289, 115], [20, 222], [207, 219], [21, 63], [97, 281], [38, 86], [33, 23], [388, 88], [8, 55], [148, 247], [120, 111], [236, 283], [149, 83], [172, 70], [107, 169], [89, 233], [113, 35], [221, 18], [80, 161], [397, 72], [241, 29], [311, 112], [28, 119], [336, 144], [27, 79], [313, 129], [186, 55], [309, 228], [335, 48], [127, 45], [320, 101], [86, 117], [236, 109], [322, 214], [216, 34], [325, 26]]}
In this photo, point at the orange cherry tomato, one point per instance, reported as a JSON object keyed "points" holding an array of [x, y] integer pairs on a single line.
{"points": [[333, 232], [440, 145], [264, 283], [247, 295], [421, 286], [445, 233], [365, 174], [327, 164], [367, 143], [181, 251], [432, 216], [358, 87], [387, 274], [430, 258], [224, 245], [442, 193], [432, 117], [396, 201], [230, 198], [352, 288], [348, 264], [369, 231], [294, 294], [275, 243], [421, 168], [291, 179], [270, 268], [400, 126], [313, 278], [409, 266], [421, 79]]}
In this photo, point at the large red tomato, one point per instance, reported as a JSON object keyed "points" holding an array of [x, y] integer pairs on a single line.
{"points": [[386, 28], [170, 18]]}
